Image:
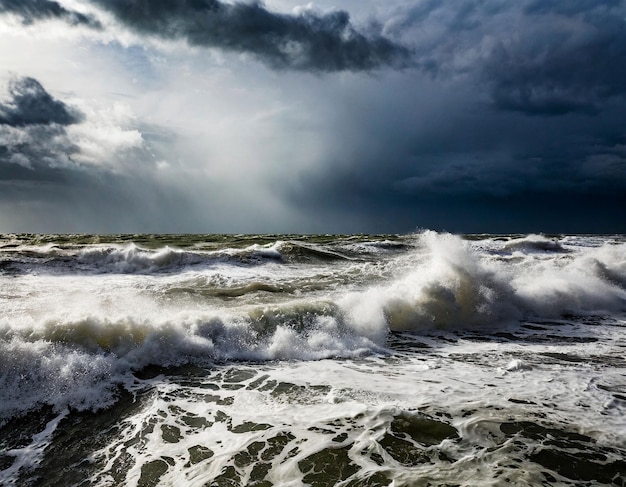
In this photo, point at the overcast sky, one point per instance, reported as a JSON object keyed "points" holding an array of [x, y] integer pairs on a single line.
{"points": [[342, 116]]}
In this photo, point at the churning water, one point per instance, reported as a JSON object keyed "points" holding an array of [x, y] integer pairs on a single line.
{"points": [[425, 359]]}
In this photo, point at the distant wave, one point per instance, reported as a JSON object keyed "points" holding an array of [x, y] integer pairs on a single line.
{"points": [[130, 258], [537, 243]]}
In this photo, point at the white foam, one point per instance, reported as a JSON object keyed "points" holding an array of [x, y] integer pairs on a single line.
{"points": [[590, 281], [130, 258], [448, 286], [534, 243], [516, 365], [43, 373], [359, 399], [93, 331], [451, 284], [78, 357], [28, 458]]}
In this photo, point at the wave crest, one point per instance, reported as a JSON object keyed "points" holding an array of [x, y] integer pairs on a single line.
{"points": [[448, 286], [534, 243]]}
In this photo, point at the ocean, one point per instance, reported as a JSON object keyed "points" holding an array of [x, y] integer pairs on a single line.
{"points": [[427, 359]]}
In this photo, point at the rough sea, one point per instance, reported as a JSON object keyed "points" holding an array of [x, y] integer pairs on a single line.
{"points": [[427, 359]]}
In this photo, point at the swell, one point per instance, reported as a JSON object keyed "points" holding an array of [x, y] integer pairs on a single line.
{"points": [[131, 258], [534, 243], [128, 259], [230, 292]]}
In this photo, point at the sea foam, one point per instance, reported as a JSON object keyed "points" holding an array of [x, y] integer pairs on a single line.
{"points": [[71, 340]]}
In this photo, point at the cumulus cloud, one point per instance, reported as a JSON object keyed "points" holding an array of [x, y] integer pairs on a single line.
{"points": [[34, 146], [40, 132], [31, 104], [33, 128], [70, 169]]}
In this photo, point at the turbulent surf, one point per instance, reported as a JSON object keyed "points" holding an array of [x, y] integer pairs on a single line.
{"points": [[357, 360]]}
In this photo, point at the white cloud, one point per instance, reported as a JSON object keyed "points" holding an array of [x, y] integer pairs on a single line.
{"points": [[105, 136]]}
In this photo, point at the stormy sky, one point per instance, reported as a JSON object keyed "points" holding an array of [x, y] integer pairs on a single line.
{"points": [[212, 116]]}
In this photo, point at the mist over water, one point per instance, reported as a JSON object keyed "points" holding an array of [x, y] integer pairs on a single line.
{"points": [[312, 360]]}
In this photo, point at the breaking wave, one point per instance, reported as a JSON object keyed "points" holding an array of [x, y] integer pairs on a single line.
{"points": [[60, 348], [454, 285], [131, 258], [534, 243]]}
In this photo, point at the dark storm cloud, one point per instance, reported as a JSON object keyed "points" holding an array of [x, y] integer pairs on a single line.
{"points": [[35, 151], [33, 131], [470, 192], [549, 57], [30, 104], [572, 7], [46, 186], [308, 41], [33, 10], [574, 71], [522, 129], [511, 118]]}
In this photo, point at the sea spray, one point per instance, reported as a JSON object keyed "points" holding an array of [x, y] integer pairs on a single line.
{"points": [[448, 285]]}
